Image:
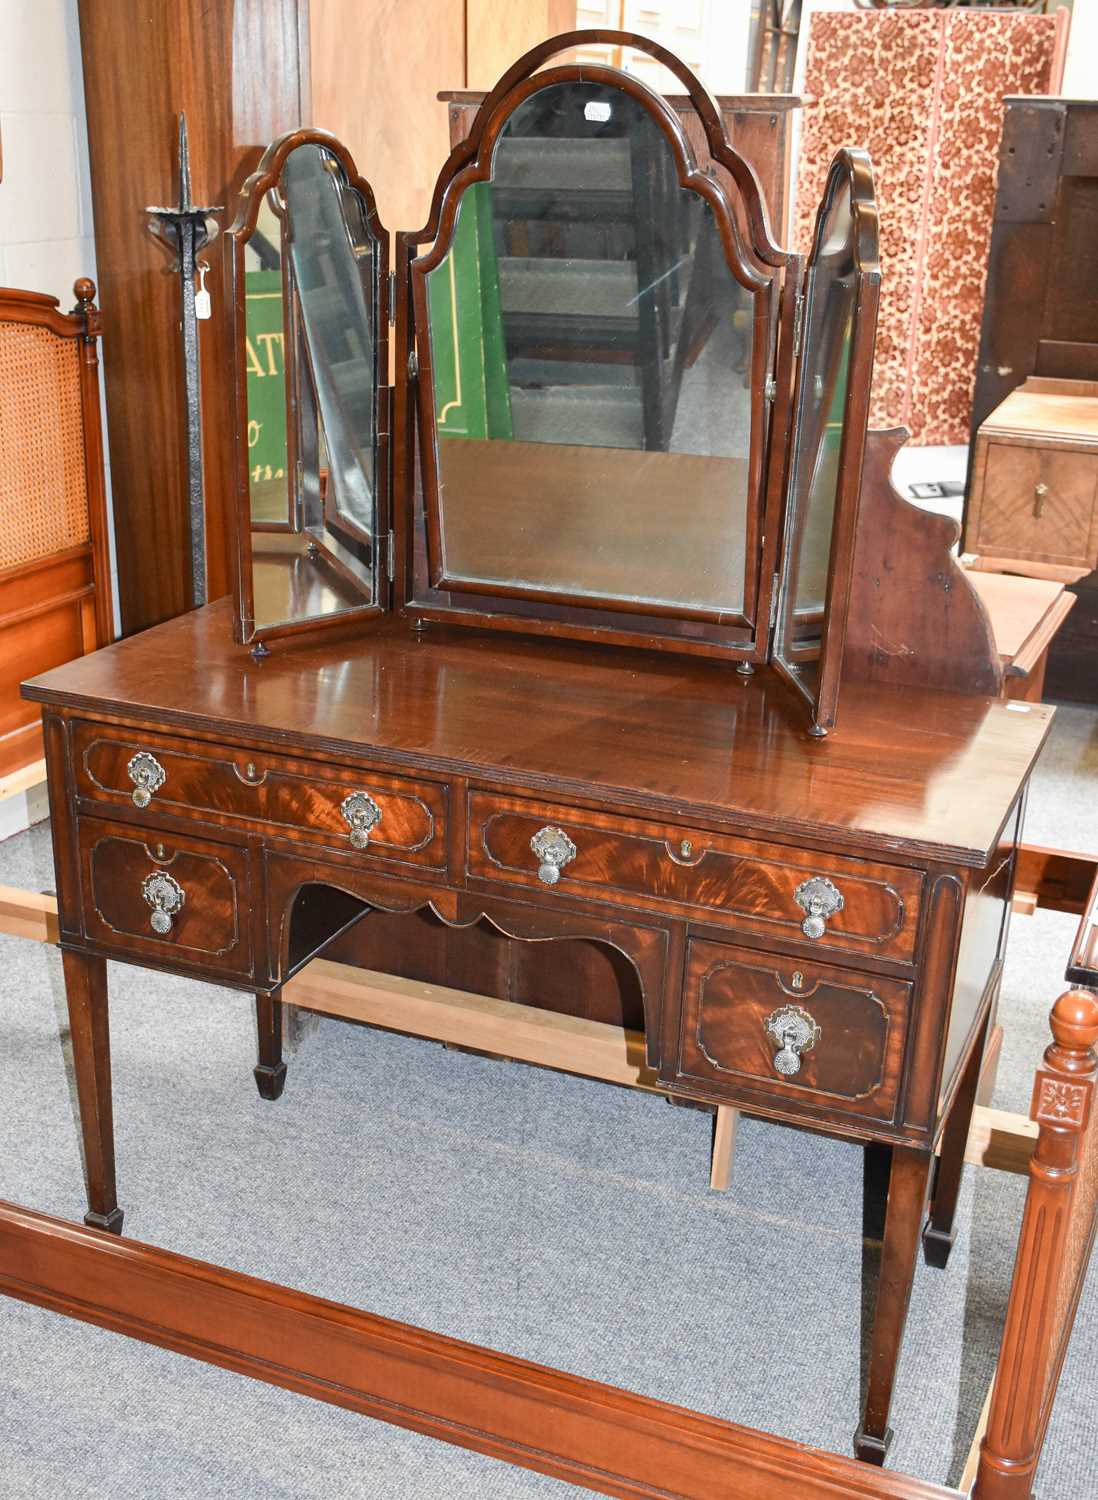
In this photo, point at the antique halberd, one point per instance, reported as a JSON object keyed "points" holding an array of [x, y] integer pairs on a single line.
{"points": [[615, 478]]}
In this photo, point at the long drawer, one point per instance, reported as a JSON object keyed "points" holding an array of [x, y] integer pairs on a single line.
{"points": [[795, 894], [381, 816], [185, 901], [758, 1025]]}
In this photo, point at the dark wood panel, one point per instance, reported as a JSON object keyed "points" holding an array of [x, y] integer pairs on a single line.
{"points": [[239, 70], [1041, 303], [610, 1440], [577, 977]]}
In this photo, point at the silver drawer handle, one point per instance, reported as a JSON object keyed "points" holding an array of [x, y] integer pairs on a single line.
{"points": [[819, 899], [554, 850], [166, 896], [793, 1031], [147, 775], [361, 813]]}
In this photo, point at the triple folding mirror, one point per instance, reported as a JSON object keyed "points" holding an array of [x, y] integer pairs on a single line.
{"points": [[620, 411]]}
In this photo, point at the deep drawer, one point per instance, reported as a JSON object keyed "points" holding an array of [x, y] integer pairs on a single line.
{"points": [[187, 900], [255, 792], [757, 887], [788, 1028]]}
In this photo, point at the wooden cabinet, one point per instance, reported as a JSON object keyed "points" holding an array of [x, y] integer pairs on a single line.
{"points": [[1034, 497]]}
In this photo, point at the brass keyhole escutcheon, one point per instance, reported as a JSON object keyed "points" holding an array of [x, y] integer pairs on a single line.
{"points": [[250, 771], [798, 980], [160, 852], [1039, 493], [686, 848]]}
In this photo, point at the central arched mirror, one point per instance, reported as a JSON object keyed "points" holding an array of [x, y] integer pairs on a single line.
{"points": [[593, 340]]}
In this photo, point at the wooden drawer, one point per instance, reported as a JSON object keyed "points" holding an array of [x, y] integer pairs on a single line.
{"points": [[736, 1001], [1037, 502], [748, 884], [249, 791], [201, 890]]}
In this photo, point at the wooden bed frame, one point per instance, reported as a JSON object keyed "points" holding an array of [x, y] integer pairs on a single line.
{"points": [[55, 597], [583, 1431]]}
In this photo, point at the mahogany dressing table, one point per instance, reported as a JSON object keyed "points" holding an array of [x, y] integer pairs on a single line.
{"points": [[531, 680]]}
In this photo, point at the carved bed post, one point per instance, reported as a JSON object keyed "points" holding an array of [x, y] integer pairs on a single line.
{"points": [[1057, 1236]]}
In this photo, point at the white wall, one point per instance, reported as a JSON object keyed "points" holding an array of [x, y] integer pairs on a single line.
{"points": [[1081, 65], [45, 199], [45, 195]]}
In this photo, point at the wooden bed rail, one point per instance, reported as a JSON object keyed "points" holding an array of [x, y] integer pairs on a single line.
{"points": [[580, 1430]]}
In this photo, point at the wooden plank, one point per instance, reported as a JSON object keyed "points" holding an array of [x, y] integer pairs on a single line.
{"points": [[1059, 880], [1025, 614], [582, 1431], [1001, 1139], [28, 914], [590, 1048], [725, 1121], [972, 1462], [23, 779]]}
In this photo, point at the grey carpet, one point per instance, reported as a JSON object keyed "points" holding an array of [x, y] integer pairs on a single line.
{"points": [[546, 1216]]}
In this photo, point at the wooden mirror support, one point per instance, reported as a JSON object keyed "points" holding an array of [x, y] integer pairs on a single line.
{"points": [[914, 618], [839, 324]]}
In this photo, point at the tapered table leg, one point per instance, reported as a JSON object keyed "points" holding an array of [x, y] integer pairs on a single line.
{"points": [[270, 1070], [907, 1188], [86, 994], [939, 1234]]}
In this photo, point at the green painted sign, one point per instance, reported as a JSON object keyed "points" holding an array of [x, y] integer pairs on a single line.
{"points": [[467, 346], [265, 359]]}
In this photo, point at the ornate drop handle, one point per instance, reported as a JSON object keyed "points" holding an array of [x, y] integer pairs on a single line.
{"points": [[166, 897], [361, 813], [554, 850], [793, 1031], [147, 775], [819, 899]]}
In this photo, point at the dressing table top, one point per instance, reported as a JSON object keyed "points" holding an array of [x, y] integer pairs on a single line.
{"points": [[917, 773]]}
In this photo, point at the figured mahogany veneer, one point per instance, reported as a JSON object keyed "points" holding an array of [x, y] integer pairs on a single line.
{"points": [[724, 1048], [744, 883], [243, 790], [212, 927]]}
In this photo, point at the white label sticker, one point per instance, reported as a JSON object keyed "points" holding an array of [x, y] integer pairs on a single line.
{"points": [[596, 109]]}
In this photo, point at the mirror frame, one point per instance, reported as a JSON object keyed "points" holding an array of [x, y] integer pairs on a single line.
{"points": [[851, 168], [752, 257], [262, 181]]}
